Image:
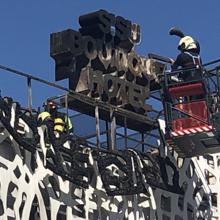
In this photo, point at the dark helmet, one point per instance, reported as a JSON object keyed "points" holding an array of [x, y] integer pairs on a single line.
{"points": [[50, 106]]}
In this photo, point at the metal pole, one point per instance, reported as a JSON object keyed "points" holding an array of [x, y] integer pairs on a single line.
{"points": [[207, 96], [107, 134], [135, 140], [29, 93], [142, 140], [218, 87], [125, 133], [97, 126], [113, 127], [218, 81], [67, 112]]}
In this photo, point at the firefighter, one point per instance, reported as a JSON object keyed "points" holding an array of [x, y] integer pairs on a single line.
{"points": [[189, 56], [62, 122], [44, 116], [189, 53]]}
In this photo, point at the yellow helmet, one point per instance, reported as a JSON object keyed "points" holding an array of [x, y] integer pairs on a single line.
{"points": [[187, 43], [43, 115]]}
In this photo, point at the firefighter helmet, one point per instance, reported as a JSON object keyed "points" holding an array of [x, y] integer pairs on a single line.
{"points": [[50, 105], [187, 43], [43, 116]]}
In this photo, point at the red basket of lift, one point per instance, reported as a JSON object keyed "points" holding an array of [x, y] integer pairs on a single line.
{"points": [[196, 109]]}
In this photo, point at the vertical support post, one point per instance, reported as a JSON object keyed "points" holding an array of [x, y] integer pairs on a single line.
{"points": [[113, 131], [29, 94], [125, 133], [218, 88], [164, 84], [218, 81], [97, 126], [67, 112], [142, 141], [206, 81], [107, 134]]}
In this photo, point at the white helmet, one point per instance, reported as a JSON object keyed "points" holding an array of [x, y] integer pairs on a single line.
{"points": [[187, 43]]}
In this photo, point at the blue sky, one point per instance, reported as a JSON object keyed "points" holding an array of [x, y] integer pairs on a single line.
{"points": [[26, 25]]}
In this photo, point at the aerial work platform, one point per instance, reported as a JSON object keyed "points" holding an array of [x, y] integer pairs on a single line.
{"points": [[191, 112]]}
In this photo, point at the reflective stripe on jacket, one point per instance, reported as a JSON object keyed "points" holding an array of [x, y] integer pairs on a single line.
{"points": [[59, 124], [196, 60], [68, 123]]}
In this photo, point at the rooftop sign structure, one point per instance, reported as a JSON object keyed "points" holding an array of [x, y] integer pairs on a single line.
{"points": [[100, 61]]}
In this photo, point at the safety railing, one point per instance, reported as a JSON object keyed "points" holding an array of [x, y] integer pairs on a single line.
{"points": [[211, 84], [107, 134], [112, 132]]}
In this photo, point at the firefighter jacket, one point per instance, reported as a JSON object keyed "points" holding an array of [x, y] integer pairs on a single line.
{"points": [[187, 59], [62, 123]]}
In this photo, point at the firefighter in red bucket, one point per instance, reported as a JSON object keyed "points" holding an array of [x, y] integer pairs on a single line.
{"points": [[189, 61], [189, 56]]}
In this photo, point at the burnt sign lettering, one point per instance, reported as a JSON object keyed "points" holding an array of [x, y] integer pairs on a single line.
{"points": [[99, 60]]}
